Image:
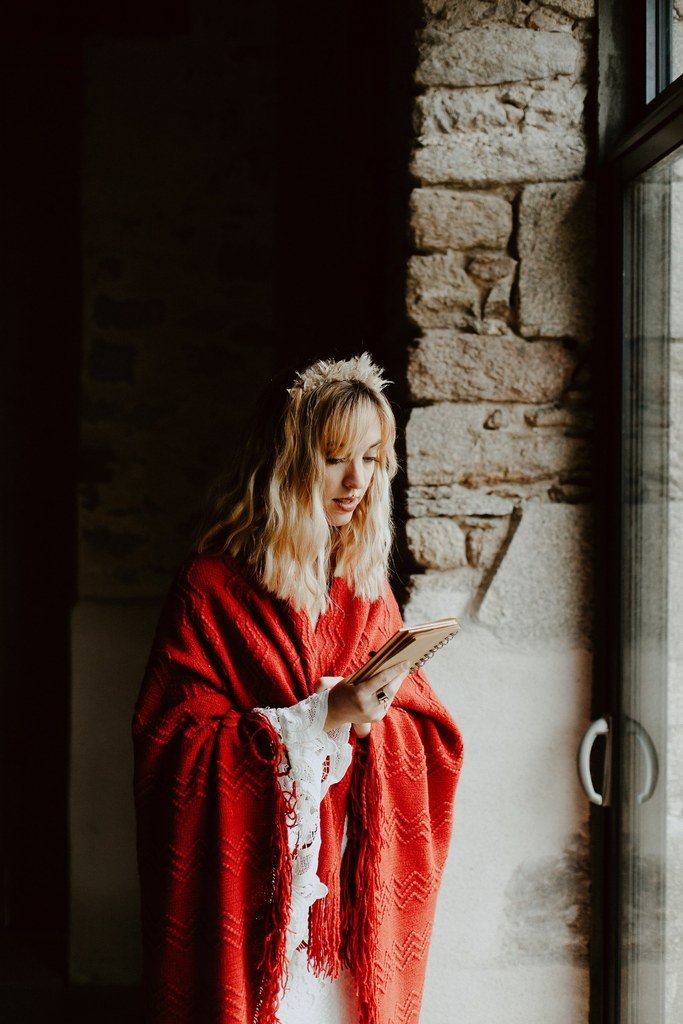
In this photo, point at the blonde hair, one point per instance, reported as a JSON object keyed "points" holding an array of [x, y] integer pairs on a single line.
{"points": [[270, 512]]}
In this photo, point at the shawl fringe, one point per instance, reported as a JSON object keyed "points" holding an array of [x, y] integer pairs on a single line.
{"points": [[325, 936], [342, 925], [273, 965], [360, 880]]}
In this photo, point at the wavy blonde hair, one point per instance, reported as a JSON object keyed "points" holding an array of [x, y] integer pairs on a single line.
{"points": [[269, 510]]}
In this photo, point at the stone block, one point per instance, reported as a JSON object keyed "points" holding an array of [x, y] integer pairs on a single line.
{"points": [[468, 367], [486, 537], [508, 155], [439, 293], [546, 20], [443, 220], [464, 14], [452, 500], [441, 594], [497, 304], [442, 112], [542, 589], [490, 326], [436, 543], [447, 443], [491, 267], [474, 547], [576, 419], [556, 244], [577, 8], [496, 53], [447, 15], [553, 104]]}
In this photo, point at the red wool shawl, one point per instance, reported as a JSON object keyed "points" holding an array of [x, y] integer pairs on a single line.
{"points": [[213, 856]]}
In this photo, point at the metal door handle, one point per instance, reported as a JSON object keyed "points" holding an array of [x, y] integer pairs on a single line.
{"points": [[649, 758], [600, 727]]}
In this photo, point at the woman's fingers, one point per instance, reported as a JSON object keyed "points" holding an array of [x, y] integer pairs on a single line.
{"points": [[388, 679], [388, 683], [360, 704]]}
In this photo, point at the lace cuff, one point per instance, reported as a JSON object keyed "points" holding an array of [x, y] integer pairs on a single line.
{"points": [[317, 759]]}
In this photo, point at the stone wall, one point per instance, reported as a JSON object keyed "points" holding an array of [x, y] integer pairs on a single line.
{"points": [[500, 293]]}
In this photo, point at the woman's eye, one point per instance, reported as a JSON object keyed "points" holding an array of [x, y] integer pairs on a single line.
{"points": [[366, 458]]}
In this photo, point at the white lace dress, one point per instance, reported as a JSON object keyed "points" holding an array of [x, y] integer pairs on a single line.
{"points": [[306, 997]]}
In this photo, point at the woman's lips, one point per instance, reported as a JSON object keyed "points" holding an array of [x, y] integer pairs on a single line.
{"points": [[345, 504]]}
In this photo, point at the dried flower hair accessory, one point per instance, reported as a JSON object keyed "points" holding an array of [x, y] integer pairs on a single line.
{"points": [[359, 368]]}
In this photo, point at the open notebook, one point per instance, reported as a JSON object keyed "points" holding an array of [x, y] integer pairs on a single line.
{"points": [[415, 644]]}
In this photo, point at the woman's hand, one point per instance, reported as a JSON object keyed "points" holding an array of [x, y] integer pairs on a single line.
{"points": [[360, 704]]}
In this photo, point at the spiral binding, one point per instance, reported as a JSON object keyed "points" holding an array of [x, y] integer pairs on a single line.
{"points": [[432, 651]]}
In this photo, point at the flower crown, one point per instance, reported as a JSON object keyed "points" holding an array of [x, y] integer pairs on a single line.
{"points": [[359, 368]]}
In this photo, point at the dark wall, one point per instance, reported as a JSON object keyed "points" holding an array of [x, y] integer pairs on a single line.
{"points": [[242, 211], [40, 355], [197, 194]]}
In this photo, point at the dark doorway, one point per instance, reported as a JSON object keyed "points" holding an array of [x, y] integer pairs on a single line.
{"points": [[327, 141]]}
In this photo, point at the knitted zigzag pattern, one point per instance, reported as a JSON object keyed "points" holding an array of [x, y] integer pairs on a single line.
{"points": [[213, 856]]}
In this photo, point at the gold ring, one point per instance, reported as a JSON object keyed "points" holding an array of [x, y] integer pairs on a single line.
{"points": [[382, 697]]}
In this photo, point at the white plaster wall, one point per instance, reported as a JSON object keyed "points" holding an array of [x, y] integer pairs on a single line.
{"points": [[509, 940]]}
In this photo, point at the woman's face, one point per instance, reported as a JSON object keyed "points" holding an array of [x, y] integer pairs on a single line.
{"points": [[348, 478]]}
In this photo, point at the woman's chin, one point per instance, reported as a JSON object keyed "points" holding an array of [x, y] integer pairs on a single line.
{"points": [[338, 518]]}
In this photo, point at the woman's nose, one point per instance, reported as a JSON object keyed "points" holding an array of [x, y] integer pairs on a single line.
{"points": [[353, 476]]}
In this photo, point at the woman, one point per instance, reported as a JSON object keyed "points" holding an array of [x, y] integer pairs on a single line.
{"points": [[292, 827]]}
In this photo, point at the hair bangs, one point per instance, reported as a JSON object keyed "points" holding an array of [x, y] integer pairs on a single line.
{"points": [[348, 422]]}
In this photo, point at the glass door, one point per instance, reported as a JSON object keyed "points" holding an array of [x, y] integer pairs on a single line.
{"points": [[638, 945], [648, 909], [637, 832]]}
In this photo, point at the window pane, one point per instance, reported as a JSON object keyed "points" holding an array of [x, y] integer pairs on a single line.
{"points": [[674, 899], [652, 722]]}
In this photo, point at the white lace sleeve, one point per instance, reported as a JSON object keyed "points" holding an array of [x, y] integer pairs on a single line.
{"points": [[316, 760]]}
